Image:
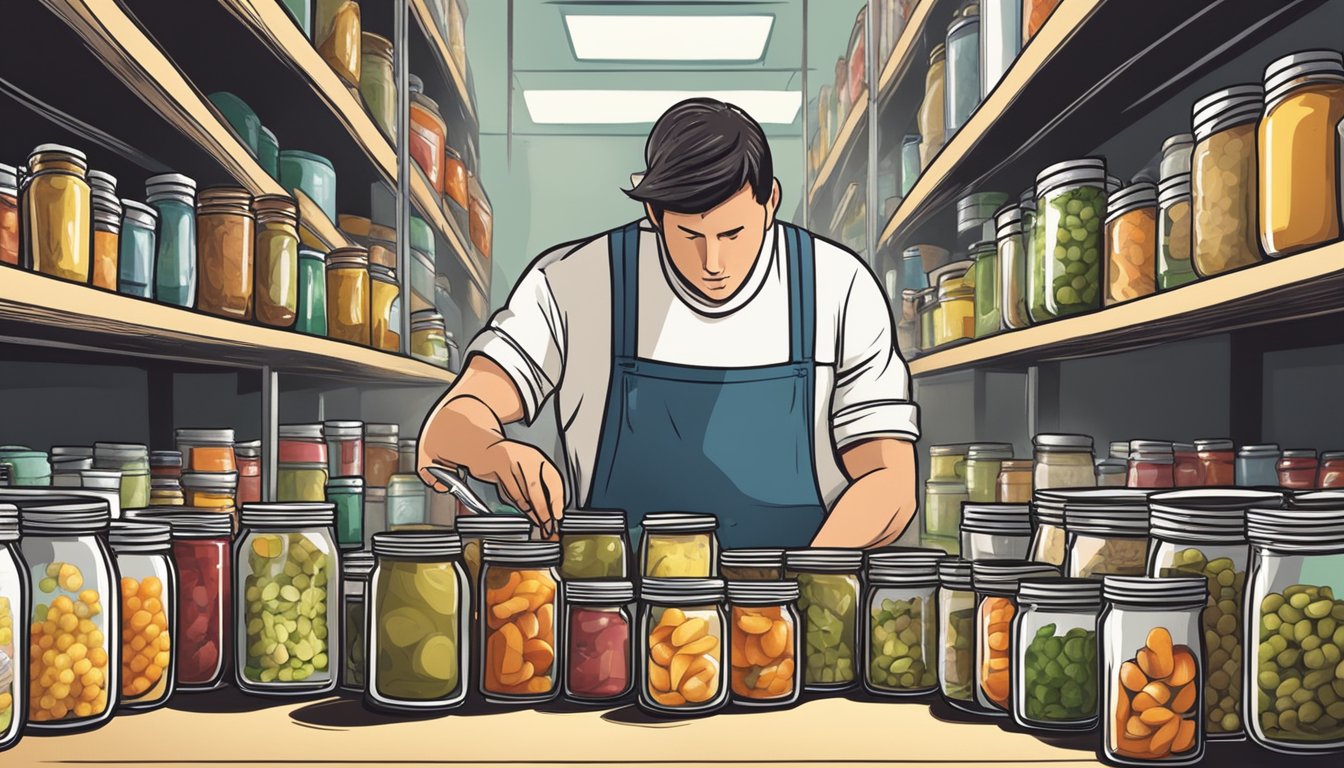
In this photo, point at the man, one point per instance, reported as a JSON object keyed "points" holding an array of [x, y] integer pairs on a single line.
{"points": [[705, 359]]}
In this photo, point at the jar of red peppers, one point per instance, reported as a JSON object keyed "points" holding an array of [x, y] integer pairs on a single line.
{"points": [[1332, 470], [248, 455], [345, 448], [380, 454], [1297, 469], [1152, 464], [1186, 472], [597, 624], [1217, 462]]}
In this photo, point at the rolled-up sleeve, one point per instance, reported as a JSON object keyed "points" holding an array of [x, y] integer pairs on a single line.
{"points": [[526, 338], [872, 384]]}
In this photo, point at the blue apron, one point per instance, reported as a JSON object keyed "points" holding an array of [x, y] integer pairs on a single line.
{"points": [[733, 442]]}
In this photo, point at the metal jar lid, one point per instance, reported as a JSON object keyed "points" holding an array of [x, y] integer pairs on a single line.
{"points": [[1062, 442], [1300, 69], [1140, 194], [1225, 108], [1145, 591], [1087, 170]]}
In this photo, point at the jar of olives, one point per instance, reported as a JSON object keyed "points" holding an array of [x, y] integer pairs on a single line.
{"points": [[751, 564], [1106, 532], [995, 583], [995, 531], [1066, 272], [1296, 582], [476, 529], [828, 580], [683, 619], [900, 622], [679, 545], [1054, 666], [355, 570], [593, 545], [956, 628]]}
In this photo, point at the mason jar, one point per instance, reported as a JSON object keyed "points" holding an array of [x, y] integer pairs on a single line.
{"points": [[594, 545], [1065, 273], [1106, 532], [1063, 461], [521, 641], [600, 655], [983, 462], [1054, 666], [132, 460], [15, 596], [956, 628], [475, 530], [751, 564], [405, 502], [1152, 675], [995, 531], [995, 583], [678, 545], [1257, 466], [355, 570], [943, 500], [1048, 542], [149, 612], [765, 643], [1152, 464], [682, 617], [900, 622], [287, 571], [828, 580]]}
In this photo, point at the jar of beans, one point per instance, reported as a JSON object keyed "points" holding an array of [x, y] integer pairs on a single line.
{"points": [[149, 612], [682, 619], [1065, 274], [1223, 193], [900, 635], [520, 607], [600, 649], [14, 596], [1054, 664], [1131, 243], [995, 583], [956, 628]]}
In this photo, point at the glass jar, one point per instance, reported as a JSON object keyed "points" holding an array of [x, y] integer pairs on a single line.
{"points": [[301, 464], [594, 545], [25, 467], [9, 255], [995, 584], [828, 601], [1187, 472], [682, 617], [1299, 192], [201, 542], [910, 162], [765, 642], [428, 134], [1257, 466], [1152, 464], [948, 462], [58, 207], [132, 461], [72, 574], [149, 611], [1071, 205], [963, 68], [1112, 473], [205, 450], [1297, 469], [347, 493], [1054, 665], [900, 625], [1150, 641], [336, 35], [15, 595], [1014, 481], [173, 197], [1223, 180], [455, 178], [928, 304], [988, 289], [1063, 461], [375, 512], [1173, 237], [248, 456], [600, 650], [1296, 575], [429, 340], [1012, 268], [942, 513], [1216, 465], [1034, 14], [931, 116], [956, 630], [225, 236], [975, 220], [1176, 155], [216, 491], [405, 501], [345, 447], [677, 545], [954, 315], [1107, 532], [137, 249], [268, 146], [1332, 470], [166, 492], [419, 619], [348, 295], [751, 564], [907, 327], [406, 455], [1131, 243], [384, 309], [277, 254], [1000, 40], [106, 209], [286, 563], [995, 531], [380, 453], [520, 598], [983, 461], [475, 530], [356, 567], [311, 302], [377, 83]]}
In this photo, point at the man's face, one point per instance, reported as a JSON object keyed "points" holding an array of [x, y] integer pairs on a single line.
{"points": [[714, 251]]}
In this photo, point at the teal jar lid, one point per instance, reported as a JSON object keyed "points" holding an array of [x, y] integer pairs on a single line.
{"points": [[422, 237]]}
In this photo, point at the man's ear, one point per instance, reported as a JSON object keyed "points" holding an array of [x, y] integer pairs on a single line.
{"points": [[653, 218], [772, 205]]}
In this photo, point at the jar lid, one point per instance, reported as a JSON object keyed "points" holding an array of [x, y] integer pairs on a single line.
{"points": [[376, 45], [1218, 444], [824, 560], [1112, 466], [9, 523], [357, 566], [1008, 220], [950, 449], [70, 450], [1121, 512], [1299, 453], [1332, 456], [1325, 499], [100, 479], [904, 565], [938, 51], [1112, 184], [343, 429], [383, 274], [1016, 465], [1301, 68], [1086, 170], [1317, 529], [121, 451], [312, 254], [299, 432], [593, 521], [599, 592], [250, 449], [1060, 593], [415, 84], [1173, 188], [751, 558], [346, 483], [1146, 591], [165, 484], [682, 591], [75, 156], [188, 522], [1225, 108], [71, 463], [1000, 519], [762, 592], [1177, 143], [1000, 577], [1027, 200], [989, 451], [407, 444], [520, 552], [102, 180], [1062, 442], [983, 247], [487, 526], [139, 213], [955, 573], [62, 515], [1258, 451], [375, 495], [976, 208], [1140, 194], [9, 178], [138, 537], [165, 458], [205, 437], [170, 185], [275, 205], [381, 431], [399, 480], [417, 544], [354, 256], [220, 482], [223, 195], [1047, 508], [945, 486], [288, 515], [679, 522]]}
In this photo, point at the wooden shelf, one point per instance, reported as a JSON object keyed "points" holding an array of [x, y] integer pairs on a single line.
{"points": [[1293, 287], [431, 208], [43, 311], [903, 52], [421, 10], [844, 143]]}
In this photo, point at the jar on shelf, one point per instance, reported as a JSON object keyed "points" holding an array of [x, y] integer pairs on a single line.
{"points": [[988, 289], [345, 447], [1012, 267], [149, 601], [277, 255], [1054, 674], [347, 493], [380, 453], [422, 265], [995, 531], [15, 596], [1066, 270], [911, 165], [1187, 472], [225, 237], [9, 255], [72, 574], [948, 462], [1000, 40], [286, 563], [1131, 243], [481, 218], [106, 236], [419, 620], [1216, 462], [594, 545], [173, 197], [25, 467], [1063, 461], [682, 617], [1014, 481], [336, 35], [204, 450], [455, 178], [1177, 152], [975, 222], [1297, 469], [907, 327], [828, 601], [1150, 640], [377, 82], [166, 492], [356, 567], [58, 212], [928, 304], [1107, 533], [1257, 466], [1113, 472], [679, 545], [311, 302], [1298, 168], [1152, 464], [931, 116], [348, 295], [405, 502], [956, 634], [1034, 15], [1173, 237], [983, 462], [132, 460], [428, 134], [137, 249], [1332, 470], [942, 512], [216, 491], [384, 309], [248, 456], [600, 651], [475, 530], [429, 340], [520, 598], [766, 643], [375, 512], [963, 68], [406, 455], [301, 463], [954, 315], [201, 544], [995, 583], [1223, 195], [900, 622], [751, 564]]}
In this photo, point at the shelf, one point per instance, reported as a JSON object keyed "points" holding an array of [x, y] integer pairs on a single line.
{"points": [[42, 311], [421, 10], [428, 203], [1303, 285], [844, 143], [903, 52]]}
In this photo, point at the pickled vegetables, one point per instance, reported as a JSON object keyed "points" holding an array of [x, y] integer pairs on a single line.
{"points": [[286, 609], [1060, 675], [762, 652], [901, 642], [684, 657], [519, 615], [1155, 712], [829, 604], [418, 623]]}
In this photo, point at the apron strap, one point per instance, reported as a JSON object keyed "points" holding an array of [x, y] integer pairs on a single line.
{"points": [[802, 294], [623, 247]]}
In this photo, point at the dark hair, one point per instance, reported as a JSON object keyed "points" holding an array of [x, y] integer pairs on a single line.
{"points": [[700, 153]]}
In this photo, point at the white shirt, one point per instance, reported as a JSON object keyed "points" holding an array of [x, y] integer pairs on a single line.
{"points": [[554, 337]]}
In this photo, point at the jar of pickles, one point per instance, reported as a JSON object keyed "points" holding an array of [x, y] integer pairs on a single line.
{"points": [[956, 630], [1151, 677], [1131, 243], [995, 583], [1216, 462], [829, 584], [988, 289], [983, 461], [995, 531], [676, 545], [594, 546], [600, 653], [1065, 274], [288, 579], [419, 618], [1048, 542], [1012, 262], [900, 625], [345, 447], [682, 618], [14, 599], [477, 529], [355, 570], [1107, 532], [751, 564], [1223, 195], [520, 639], [765, 643], [1257, 465], [1014, 481], [133, 462], [1054, 666], [149, 602], [1063, 461]]}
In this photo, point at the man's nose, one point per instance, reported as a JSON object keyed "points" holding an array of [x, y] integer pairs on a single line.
{"points": [[713, 261]]}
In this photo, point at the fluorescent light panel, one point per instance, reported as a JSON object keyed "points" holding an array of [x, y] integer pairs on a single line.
{"points": [[669, 38], [615, 107]]}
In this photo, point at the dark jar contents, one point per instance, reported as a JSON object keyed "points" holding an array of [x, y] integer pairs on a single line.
{"points": [[1297, 470], [599, 652], [225, 233], [204, 569]]}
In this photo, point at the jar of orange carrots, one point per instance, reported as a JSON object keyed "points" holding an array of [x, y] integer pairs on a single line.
{"points": [[520, 601], [995, 583], [765, 645]]}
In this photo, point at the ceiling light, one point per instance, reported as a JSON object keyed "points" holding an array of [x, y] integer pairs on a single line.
{"points": [[668, 38], [609, 107]]}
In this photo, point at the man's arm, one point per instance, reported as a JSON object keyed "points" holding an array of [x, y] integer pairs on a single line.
{"points": [[879, 503]]}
